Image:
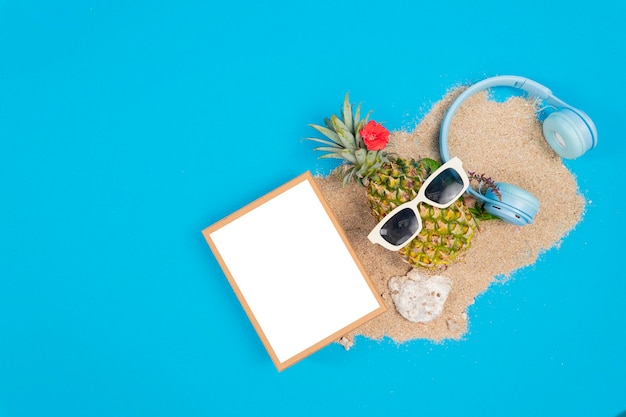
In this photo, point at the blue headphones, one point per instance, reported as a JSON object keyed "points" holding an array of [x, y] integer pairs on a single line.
{"points": [[568, 131]]}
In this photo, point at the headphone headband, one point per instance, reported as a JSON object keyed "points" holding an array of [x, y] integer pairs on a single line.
{"points": [[524, 84], [521, 83]]}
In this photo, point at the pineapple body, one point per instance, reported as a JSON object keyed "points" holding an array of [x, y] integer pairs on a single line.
{"points": [[391, 181], [445, 233]]}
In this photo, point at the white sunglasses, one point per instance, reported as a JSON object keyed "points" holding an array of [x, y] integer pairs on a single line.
{"points": [[442, 188]]}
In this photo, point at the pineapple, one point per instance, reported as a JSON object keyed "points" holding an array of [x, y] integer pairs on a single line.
{"points": [[391, 181]]}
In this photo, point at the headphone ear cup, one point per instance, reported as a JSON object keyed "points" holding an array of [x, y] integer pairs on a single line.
{"points": [[515, 205], [568, 133]]}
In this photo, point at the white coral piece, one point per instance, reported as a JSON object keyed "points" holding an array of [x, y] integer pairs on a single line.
{"points": [[419, 298]]}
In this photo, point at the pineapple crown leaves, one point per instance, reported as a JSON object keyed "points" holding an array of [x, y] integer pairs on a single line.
{"points": [[343, 141]]}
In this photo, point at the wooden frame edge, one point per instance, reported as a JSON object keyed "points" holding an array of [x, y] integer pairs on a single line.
{"points": [[306, 176]]}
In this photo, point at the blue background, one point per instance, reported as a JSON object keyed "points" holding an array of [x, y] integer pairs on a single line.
{"points": [[127, 127]]}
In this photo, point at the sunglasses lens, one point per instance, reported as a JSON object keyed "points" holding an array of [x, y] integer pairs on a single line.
{"points": [[399, 228], [445, 187]]}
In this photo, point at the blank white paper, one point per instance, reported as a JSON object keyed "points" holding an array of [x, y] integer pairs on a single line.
{"points": [[295, 272]]}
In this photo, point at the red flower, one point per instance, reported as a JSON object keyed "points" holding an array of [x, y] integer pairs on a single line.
{"points": [[375, 136]]}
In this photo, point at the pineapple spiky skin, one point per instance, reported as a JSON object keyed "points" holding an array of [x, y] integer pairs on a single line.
{"points": [[445, 233], [391, 181]]}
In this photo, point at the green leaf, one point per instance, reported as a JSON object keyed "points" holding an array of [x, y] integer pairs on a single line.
{"points": [[328, 149], [370, 158], [347, 176], [360, 155], [365, 119], [357, 116], [335, 155], [330, 134], [347, 112], [480, 214], [430, 164], [345, 136], [362, 172], [359, 140], [348, 156], [358, 137], [344, 154], [325, 142]]}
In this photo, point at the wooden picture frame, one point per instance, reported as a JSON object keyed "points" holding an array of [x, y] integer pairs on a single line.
{"points": [[294, 271]]}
